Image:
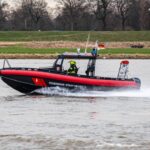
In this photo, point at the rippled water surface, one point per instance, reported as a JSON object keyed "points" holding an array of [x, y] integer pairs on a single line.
{"points": [[88, 120]]}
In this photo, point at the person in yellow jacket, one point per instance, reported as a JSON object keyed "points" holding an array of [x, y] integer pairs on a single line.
{"points": [[73, 68]]}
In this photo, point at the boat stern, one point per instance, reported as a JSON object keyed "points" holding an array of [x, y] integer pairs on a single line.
{"points": [[138, 82]]}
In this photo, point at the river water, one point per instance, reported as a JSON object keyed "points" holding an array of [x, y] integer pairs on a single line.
{"points": [[87, 120]]}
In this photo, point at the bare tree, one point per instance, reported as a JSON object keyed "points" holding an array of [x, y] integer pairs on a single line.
{"points": [[102, 11], [71, 11], [123, 10], [3, 12], [133, 19], [145, 14], [36, 9], [76, 15], [31, 15]]}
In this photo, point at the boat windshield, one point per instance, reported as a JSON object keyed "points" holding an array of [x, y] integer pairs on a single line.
{"points": [[61, 64]]}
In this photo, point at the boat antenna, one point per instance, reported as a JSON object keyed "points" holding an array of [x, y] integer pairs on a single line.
{"points": [[96, 45], [88, 39]]}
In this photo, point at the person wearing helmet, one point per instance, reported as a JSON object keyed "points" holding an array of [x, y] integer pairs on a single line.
{"points": [[73, 68]]}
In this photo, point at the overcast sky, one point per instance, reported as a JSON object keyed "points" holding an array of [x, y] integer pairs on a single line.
{"points": [[51, 3]]}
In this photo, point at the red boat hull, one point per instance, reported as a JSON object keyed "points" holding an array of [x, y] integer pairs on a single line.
{"points": [[27, 81]]}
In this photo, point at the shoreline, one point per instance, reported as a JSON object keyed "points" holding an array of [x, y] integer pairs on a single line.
{"points": [[71, 44], [54, 56], [44, 49]]}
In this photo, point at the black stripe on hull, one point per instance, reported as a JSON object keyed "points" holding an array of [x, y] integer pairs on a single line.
{"points": [[20, 86], [25, 85]]}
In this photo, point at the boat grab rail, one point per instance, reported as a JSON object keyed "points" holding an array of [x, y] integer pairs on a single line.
{"points": [[6, 62]]}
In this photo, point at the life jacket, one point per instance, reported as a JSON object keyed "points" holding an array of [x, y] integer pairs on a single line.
{"points": [[94, 52], [72, 70]]}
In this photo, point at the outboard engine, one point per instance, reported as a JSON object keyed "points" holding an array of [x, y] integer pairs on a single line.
{"points": [[138, 81]]}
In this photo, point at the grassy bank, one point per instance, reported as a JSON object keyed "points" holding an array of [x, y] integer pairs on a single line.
{"points": [[25, 50], [75, 36]]}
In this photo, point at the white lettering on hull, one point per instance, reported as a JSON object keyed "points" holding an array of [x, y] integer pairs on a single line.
{"points": [[65, 85]]}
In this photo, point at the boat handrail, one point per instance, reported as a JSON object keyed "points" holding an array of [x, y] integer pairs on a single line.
{"points": [[6, 62]]}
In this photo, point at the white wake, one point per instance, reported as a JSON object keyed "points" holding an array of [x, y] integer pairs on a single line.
{"points": [[57, 91]]}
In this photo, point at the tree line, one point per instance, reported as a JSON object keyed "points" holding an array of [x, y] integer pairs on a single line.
{"points": [[76, 15]]}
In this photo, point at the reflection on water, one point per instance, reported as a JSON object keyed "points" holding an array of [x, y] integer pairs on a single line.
{"points": [[91, 120]]}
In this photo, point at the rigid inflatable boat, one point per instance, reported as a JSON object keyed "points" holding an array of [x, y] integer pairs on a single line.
{"points": [[29, 80]]}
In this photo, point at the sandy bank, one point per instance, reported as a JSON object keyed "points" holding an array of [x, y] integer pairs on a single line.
{"points": [[50, 56], [68, 44]]}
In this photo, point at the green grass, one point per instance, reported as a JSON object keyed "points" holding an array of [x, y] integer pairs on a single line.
{"points": [[126, 51], [23, 50], [75, 36]]}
